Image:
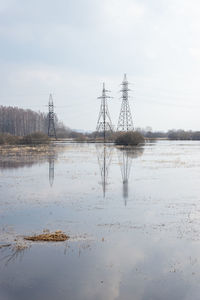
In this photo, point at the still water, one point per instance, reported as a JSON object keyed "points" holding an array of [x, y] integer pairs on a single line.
{"points": [[133, 217]]}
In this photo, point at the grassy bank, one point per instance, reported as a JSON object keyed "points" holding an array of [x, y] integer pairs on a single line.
{"points": [[36, 138]]}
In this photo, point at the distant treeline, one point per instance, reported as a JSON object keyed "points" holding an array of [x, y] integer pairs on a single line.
{"points": [[184, 135], [173, 134], [21, 122]]}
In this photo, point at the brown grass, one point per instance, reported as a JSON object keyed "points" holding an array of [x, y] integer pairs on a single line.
{"points": [[57, 236], [5, 245]]}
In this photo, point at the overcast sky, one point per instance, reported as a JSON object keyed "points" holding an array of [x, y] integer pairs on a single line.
{"points": [[70, 47]]}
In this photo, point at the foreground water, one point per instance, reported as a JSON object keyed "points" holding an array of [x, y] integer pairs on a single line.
{"points": [[133, 217]]}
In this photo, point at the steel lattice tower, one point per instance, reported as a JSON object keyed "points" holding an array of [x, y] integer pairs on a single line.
{"points": [[104, 121], [125, 122], [51, 115]]}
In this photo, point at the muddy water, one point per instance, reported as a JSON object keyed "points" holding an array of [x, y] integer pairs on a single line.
{"points": [[133, 217]]}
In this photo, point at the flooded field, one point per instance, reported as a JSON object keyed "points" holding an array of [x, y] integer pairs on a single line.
{"points": [[133, 217]]}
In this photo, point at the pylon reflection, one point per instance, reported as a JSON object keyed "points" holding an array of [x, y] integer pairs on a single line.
{"points": [[104, 155]]}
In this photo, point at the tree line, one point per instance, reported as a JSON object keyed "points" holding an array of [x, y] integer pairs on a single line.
{"points": [[173, 134], [184, 135], [20, 122]]}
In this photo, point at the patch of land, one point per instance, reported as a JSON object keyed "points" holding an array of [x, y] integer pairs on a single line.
{"points": [[57, 236]]}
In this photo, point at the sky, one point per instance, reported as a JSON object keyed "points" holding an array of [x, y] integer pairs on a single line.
{"points": [[70, 47]]}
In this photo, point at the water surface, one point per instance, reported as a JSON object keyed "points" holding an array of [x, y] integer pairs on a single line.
{"points": [[133, 216]]}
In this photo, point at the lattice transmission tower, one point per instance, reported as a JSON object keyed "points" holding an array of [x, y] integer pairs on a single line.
{"points": [[51, 119], [125, 122], [104, 121]]}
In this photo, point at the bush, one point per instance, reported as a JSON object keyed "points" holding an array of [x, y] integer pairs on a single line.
{"points": [[35, 138], [196, 136], [81, 138], [130, 138], [8, 139]]}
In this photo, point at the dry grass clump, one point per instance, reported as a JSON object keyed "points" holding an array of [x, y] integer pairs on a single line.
{"points": [[4, 246], [57, 236]]}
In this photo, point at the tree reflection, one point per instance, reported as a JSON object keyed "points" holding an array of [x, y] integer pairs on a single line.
{"points": [[27, 157]]}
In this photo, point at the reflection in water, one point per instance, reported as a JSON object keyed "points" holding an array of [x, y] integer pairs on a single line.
{"points": [[51, 169], [16, 162], [125, 157], [148, 251], [104, 155], [20, 157], [125, 162], [13, 253]]}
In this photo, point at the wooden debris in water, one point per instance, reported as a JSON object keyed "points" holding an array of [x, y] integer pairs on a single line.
{"points": [[57, 236]]}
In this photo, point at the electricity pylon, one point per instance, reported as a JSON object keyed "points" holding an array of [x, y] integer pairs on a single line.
{"points": [[51, 121], [125, 122], [104, 121]]}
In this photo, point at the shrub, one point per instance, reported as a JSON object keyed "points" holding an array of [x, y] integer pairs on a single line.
{"points": [[35, 138], [2, 139], [8, 139], [196, 136], [130, 138], [81, 138]]}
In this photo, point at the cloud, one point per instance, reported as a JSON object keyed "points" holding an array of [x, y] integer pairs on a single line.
{"points": [[121, 15], [155, 42], [195, 53]]}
